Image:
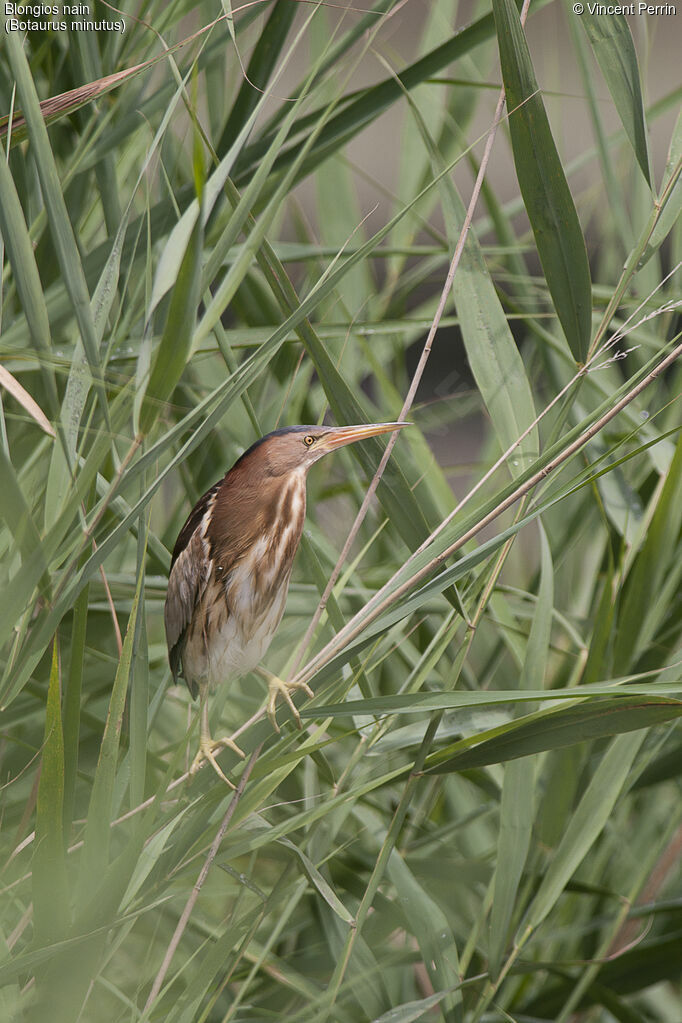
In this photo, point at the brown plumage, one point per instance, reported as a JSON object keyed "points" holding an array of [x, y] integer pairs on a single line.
{"points": [[232, 563]]}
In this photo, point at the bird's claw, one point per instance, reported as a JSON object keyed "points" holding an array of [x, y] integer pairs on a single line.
{"points": [[277, 687], [206, 754]]}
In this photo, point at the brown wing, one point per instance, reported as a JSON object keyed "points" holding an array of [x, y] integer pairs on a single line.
{"points": [[189, 574]]}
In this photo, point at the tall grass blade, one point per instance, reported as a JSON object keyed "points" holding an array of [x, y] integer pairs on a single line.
{"points": [[60, 225], [95, 856], [17, 243], [670, 199], [585, 825], [650, 569], [50, 882], [546, 196], [517, 804], [176, 342], [262, 63], [491, 351], [548, 730], [612, 44]]}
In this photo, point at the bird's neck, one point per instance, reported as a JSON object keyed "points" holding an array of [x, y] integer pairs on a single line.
{"points": [[249, 509]]}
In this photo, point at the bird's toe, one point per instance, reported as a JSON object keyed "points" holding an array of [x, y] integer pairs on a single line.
{"points": [[229, 743], [277, 687], [206, 755]]}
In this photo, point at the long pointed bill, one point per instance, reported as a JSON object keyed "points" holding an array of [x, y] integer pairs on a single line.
{"points": [[339, 436]]}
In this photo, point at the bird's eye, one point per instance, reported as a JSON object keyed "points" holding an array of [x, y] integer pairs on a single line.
{"points": [[308, 440]]}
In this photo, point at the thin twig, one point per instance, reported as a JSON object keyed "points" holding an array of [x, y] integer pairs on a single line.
{"points": [[13, 938], [194, 894], [112, 607]]}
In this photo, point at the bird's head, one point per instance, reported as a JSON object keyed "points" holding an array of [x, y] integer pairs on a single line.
{"points": [[296, 448]]}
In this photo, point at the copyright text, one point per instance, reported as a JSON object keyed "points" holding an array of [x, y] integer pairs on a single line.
{"points": [[662, 10]]}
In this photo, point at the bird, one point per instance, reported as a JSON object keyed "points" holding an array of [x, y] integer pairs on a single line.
{"points": [[231, 566]]}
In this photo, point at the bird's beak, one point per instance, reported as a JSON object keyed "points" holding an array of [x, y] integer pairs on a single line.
{"points": [[339, 436]]}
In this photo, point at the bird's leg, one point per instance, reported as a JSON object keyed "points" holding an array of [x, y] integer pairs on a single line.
{"points": [[208, 747], [278, 687]]}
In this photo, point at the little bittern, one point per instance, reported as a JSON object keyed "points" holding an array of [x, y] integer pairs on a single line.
{"points": [[232, 563]]}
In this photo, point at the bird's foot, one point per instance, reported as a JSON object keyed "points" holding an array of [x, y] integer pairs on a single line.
{"points": [[277, 687], [207, 754]]}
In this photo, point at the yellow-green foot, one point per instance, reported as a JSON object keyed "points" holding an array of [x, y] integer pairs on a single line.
{"points": [[208, 748], [277, 687]]}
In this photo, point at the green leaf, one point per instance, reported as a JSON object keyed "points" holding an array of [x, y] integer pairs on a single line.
{"points": [[609, 154], [55, 205], [17, 515], [176, 342], [546, 196], [516, 808], [243, 206], [336, 203], [409, 1012], [72, 704], [149, 857], [139, 687], [60, 473], [535, 665], [491, 350], [652, 961], [648, 575], [50, 882], [600, 653], [320, 883], [670, 199], [23, 582], [516, 824], [612, 44], [427, 702], [261, 65], [179, 238], [95, 856], [19, 249], [547, 730], [427, 921], [363, 107], [585, 825]]}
